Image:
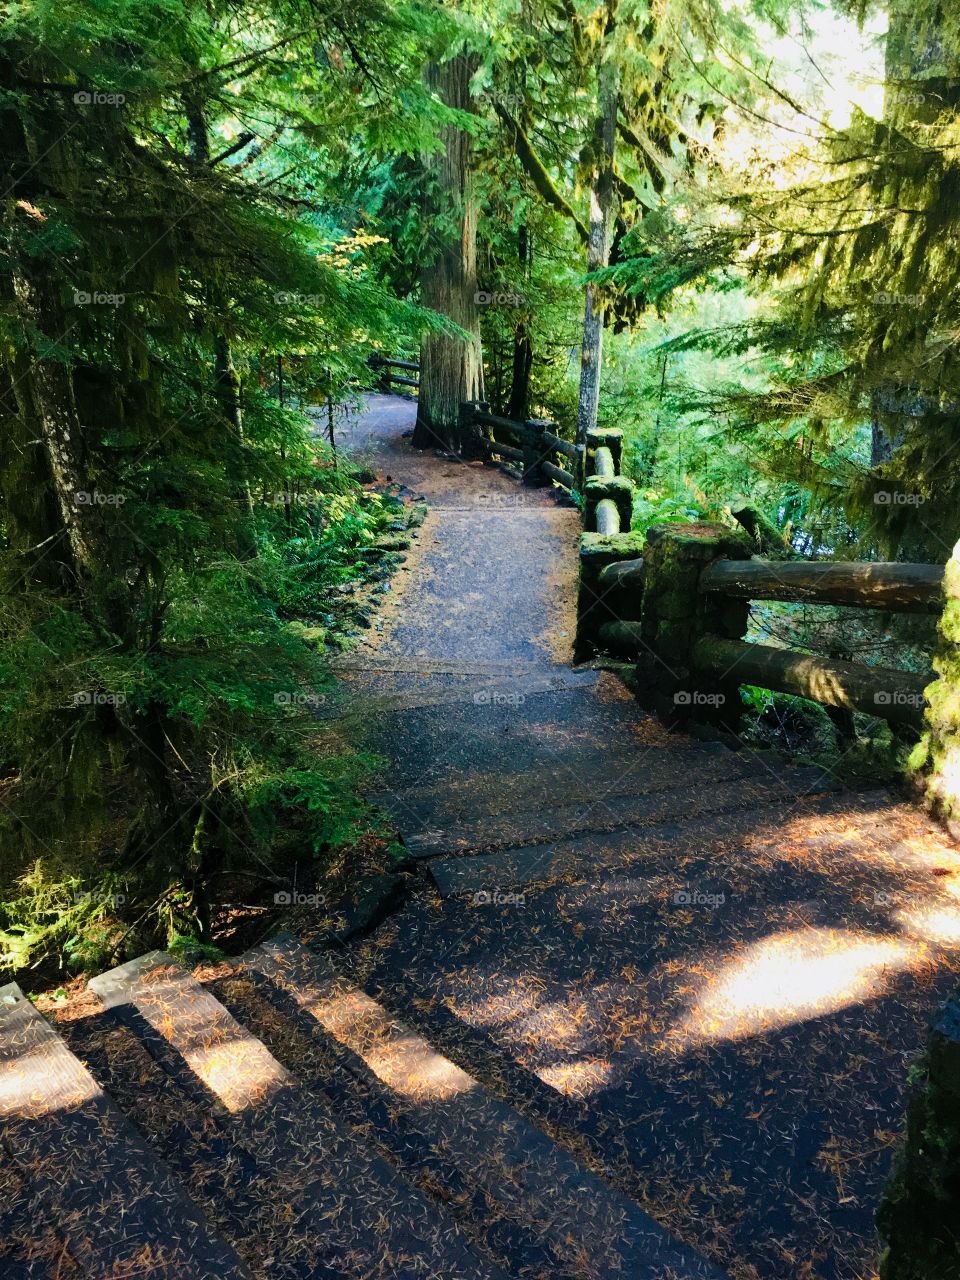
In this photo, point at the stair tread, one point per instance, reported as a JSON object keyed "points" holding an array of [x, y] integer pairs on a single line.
{"points": [[30, 1248], [116, 1205], [741, 788], [476, 690], [590, 853], [592, 1230], [351, 1088], [426, 745], [381, 1227], [568, 778]]}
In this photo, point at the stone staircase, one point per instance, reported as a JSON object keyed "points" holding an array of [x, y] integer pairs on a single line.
{"points": [[267, 1118]]}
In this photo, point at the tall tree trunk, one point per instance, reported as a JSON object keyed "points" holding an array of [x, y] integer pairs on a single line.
{"points": [[226, 379], [450, 366], [519, 405], [603, 205]]}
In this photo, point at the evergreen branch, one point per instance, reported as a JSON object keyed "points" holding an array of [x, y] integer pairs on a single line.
{"points": [[536, 171]]}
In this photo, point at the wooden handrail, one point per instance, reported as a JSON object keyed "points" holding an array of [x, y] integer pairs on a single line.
{"points": [[607, 517], [603, 464], [379, 360], [622, 575], [566, 447], [557, 474], [879, 691], [519, 429], [908, 588], [383, 366]]}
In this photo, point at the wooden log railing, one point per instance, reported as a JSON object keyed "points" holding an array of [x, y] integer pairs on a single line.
{"points": [[533, 444], [698, 581], [608, 604], [383, 365], [907, 588]]}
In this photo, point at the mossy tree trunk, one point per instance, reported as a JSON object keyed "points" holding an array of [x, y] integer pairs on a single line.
{"points": [[450, 365]]}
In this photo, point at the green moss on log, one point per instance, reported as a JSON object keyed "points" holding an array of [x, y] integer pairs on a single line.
{"points": [[935, 761]]}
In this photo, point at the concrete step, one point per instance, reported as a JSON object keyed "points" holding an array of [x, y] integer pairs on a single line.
{"points": [[641, 848], [182, 1129], [742, 788], [505, 732], [118, 1209], [358, 1096], [587, 1230], [570, 778], [343, 1206], [30, 1247], [379, 695]]}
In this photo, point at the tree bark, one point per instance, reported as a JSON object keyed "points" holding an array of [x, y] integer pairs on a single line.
{"points": [[603, 205], [450, 366], [226, 379], [519, 404], [45, 397]]}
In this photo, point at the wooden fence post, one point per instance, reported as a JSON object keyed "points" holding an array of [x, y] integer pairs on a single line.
{"points": [[534, 451], [676, 614]]}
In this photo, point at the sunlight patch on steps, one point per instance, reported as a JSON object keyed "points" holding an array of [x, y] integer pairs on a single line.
{"points": [[578, 1079], [236, 1067], [31, 1084], [395, 1054], [789, 978], [241, 1072]]}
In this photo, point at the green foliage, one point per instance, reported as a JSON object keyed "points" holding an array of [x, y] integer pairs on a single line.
{"points": [[174, 542]]}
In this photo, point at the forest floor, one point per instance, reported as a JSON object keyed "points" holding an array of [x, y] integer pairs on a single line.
{"points": [[739, 1065]]}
